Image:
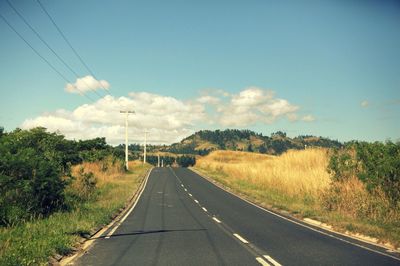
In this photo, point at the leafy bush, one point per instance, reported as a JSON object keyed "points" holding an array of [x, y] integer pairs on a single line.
{"points": [[376, 164], [30, 175], [33, 164]]}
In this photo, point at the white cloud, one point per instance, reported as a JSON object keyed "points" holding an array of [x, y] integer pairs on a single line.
{"points": [[87, 83], [167, 118], [308, 118], [250, 97], [364, 103], [255, 105], [278, 107], [52, 123]]}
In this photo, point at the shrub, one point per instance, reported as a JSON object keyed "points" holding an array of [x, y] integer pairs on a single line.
{"points": [[376, 165], [84, 184], [30, 177], [32, 164]]}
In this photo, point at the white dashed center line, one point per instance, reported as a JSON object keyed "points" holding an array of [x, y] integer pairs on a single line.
{"points": [[274, 262], [241, 238], [215, 219], [265, 260], [262, 261]]}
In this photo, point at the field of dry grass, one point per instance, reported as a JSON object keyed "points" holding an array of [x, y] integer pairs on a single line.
{"points": [[105, 171], [295, 173], [298, 182]]}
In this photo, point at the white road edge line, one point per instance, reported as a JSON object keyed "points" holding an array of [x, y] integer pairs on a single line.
{"points": [[262, 261], [204, 209], [303, 225], [215, 219], [274, 262], [241, 238], [127, 214]]}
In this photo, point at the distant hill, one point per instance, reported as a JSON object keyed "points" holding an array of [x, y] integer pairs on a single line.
{"points": [[204, 141]]}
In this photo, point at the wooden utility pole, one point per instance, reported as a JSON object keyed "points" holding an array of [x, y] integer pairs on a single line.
{"points": [[126, 136]]}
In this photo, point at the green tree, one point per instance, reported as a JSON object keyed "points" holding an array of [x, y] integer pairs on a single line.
{"points": [[30, 176]]}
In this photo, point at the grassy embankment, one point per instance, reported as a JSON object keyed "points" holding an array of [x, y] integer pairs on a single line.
{"points": [[32, 243], [298, 182]]}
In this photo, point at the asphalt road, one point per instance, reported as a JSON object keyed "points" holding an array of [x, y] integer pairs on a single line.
{"points": [[183, 219]]}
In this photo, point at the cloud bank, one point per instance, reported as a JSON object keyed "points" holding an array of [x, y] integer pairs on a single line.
{"points": [[167, 118], [251, 106]]}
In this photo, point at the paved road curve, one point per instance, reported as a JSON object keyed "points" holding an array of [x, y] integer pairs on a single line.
{"points": [[182, 219]]}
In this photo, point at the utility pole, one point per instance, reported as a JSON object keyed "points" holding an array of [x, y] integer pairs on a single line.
{"points": [[126, 135], [158, 164], [145, 143]]}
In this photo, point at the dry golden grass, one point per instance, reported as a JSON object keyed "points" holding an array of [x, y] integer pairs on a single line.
{"points": [[295, 173], [135, 164], [351, 198], [104, 171]]}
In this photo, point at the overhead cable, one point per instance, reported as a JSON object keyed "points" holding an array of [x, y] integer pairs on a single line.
{"points": [[49, 47], [43, 58]]}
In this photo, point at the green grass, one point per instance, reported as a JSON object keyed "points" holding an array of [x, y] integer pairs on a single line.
{"points": [[32, 243], [302, 207]]}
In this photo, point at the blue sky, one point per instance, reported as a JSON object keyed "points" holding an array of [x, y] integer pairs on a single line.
{"points": [[333, 67]]}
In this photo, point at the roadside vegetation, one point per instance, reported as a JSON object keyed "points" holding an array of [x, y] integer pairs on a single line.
{"points": [[55, 191], [354, 188]]}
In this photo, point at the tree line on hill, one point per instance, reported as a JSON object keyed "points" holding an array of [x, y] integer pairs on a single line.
{"points": [[247, 140], [204, 141]]}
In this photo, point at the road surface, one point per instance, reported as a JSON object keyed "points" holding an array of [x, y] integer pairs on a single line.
{"points": [[183, 219]]}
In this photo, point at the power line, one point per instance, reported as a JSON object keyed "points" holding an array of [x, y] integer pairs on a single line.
{"points": [[44, 59], [48, 46], [69, 43]]}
